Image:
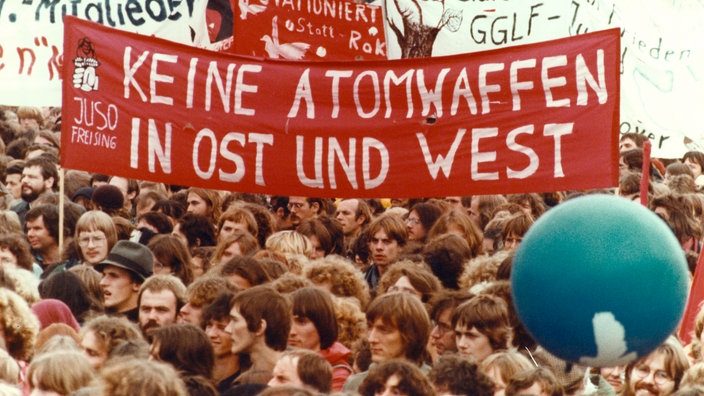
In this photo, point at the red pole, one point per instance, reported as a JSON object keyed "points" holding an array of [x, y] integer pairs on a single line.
{"points": [[645, 177]]}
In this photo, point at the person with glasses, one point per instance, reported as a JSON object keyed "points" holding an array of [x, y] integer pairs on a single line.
{"points": [[302, 208], [442, 334], [421, 219], [659, 373], [95, 235]]}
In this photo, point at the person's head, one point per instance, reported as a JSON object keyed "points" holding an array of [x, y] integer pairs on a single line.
{"points": [[129, 377], [695, 161], [128, 187], [502, 366], [302, 208], [155, 221], [399, 327], [171, 257], [102, 334], [339, 276], [289, 242], [66, 286], [239, 243], [387, 235], [353, 214], [42, 227], [660, 372], [160, 298], [184, 346], [204, 202], [515, 228], [313, 325], [39, 176], [18, 325], [146, 200], [13, 178], [446, 255], [396, 377], [236, 218], [456, 375], [482, 208], [301, 367], [481, 326], [201, 293], [631, 140], [259, 315], [195, 230], [124, 270], [96, 235], [244, 271], [31, 119], [15, 252], [406, 276], [215, 318], [325, 235], [421, 219], [59, 373], [442, 334], [537, 381]]}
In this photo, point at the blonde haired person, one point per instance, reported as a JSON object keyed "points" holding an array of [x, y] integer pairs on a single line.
{"points": [[60, 372], [18, 325], [95, 236], [289, 242], [340, 277], [137, 377], [501, 366]]}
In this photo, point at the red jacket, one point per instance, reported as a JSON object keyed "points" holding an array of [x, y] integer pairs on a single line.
{"points": [[338, 356]]}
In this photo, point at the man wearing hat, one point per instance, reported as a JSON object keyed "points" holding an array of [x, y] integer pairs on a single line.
{"points": [[124, 270]]}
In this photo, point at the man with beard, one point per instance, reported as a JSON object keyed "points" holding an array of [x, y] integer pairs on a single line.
{"points": [[304, 208], [660, 372], [39, 176], [160, 298]]}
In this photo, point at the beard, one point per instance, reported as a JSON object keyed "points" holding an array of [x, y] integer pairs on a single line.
{"points": [[30, 195]]}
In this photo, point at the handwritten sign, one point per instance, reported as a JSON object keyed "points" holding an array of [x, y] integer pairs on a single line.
{"points": [[310, 29], [501, 121], [31, 38], [662, 63], [449, 27]]}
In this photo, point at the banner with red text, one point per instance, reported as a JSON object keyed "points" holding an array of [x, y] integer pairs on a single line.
{"points": [[31, 38], [310, 29], [539, 117]]}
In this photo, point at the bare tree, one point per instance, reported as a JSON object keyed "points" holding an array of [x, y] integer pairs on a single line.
{"points": [[422, 21]]}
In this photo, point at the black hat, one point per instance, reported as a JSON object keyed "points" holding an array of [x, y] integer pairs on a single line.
{"points": [[131, 256], [108, 197], [86, 192]]}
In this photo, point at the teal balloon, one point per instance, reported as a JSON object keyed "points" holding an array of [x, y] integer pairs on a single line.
{"points": [[600, 281]]}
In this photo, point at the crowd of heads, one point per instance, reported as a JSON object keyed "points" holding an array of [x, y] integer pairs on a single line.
{"points": [[149, 288]]}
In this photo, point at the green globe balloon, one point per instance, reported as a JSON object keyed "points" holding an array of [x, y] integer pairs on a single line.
{"points": [[600, 281]]}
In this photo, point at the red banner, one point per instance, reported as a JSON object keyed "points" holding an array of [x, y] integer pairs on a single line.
{"points": [[330, 30], [540, 117]]}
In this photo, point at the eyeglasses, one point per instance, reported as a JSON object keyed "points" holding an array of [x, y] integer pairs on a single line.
{"points": [[295, 205], [413, 220], [660, 377], [96, 240]]}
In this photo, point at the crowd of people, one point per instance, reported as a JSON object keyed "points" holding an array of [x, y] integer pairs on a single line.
{"points": [[144, 288]]}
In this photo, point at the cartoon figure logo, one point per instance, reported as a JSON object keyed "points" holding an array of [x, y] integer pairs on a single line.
{"points": [[84, 74]]}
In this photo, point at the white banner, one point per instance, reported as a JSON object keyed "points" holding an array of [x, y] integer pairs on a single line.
{"points": [[31, 38], [662, 70]]}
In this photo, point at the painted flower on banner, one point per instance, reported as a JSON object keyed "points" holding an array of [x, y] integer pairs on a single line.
{"points": [[85, 76]]}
